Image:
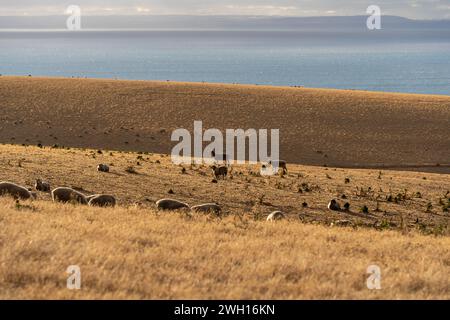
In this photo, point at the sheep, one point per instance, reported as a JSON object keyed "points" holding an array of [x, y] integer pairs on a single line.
{"points": [[170, 204], [219, 171], [64, 194], [279, 164], [18, 192], [207, 207], [276, 215], [103, 168], [267, 171], [88, 198], [333, 205], [42, 185], [101, 200]]}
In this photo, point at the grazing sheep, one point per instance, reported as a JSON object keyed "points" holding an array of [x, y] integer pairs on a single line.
{"points": [[88, 198], [334, 205], [207, 207], [102, 200], [279, 164], [43, 186], [18, 192], [64, 194], [102, 168], [220, 172], [276, 215], [170, 204], [266, 171]]}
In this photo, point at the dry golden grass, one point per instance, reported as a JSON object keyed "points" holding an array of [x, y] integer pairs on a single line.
{"points": [[244, 192], [135, 253], [335, 127], [396, 200]]}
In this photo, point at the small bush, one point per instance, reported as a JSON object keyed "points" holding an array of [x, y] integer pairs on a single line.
{"points": [[131, 170], [364, 209]]}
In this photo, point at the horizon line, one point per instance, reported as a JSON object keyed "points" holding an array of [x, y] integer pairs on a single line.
{"points": [[223, 15]]}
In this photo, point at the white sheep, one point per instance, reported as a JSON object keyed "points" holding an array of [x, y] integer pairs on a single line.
{"points": [[276, 215], [170, 204], [279, 164], [101, 200], [207, 207], [333, 205], [103, 168], [18, 192], [64, 194]]}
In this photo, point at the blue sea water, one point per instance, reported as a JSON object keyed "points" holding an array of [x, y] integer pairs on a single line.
{"points": [[367, 61]]}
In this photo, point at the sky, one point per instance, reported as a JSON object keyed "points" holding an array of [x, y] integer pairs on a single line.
{"points": [[415, 9]]}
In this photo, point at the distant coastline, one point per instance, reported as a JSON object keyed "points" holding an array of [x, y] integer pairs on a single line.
{"points": [[227, 22]]}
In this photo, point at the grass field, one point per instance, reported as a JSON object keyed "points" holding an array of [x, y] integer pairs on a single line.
{"points": [[395, 199], [386, 155], [135, 253]]}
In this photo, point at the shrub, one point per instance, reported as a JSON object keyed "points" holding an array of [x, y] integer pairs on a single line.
{"points": [[364, 209], [131, 170]]}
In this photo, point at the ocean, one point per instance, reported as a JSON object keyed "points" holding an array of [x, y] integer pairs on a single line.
{"points": [[395, 62]]}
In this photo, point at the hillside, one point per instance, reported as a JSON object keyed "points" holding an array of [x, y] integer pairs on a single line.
{"points": [[317, 126], [136, 252], [403, 201], [386, 155]]}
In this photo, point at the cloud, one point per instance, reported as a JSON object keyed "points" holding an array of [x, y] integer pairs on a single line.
{"points": [[425, 9], [260, 10], [142, 10]]}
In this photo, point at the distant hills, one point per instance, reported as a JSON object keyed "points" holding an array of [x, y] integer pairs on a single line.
{"points": [[179, 22]]}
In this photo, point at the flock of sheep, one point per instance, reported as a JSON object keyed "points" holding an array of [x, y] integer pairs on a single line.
{"points": [[70, 195], [61, 194]]}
